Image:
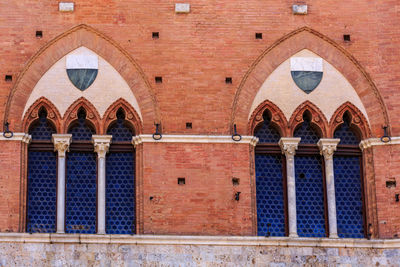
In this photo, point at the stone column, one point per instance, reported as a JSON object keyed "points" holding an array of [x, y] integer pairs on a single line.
{"points": [[61, 145], [327, 147], [289, 146], [101, 146]]}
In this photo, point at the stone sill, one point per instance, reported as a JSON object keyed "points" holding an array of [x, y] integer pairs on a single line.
{"points": [[198, 240]]}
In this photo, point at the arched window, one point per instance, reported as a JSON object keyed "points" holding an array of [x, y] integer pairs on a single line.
{"points": [[81, 178], [348, 182], [310, 196], [120, 178], [270, 181], [42, 177]]}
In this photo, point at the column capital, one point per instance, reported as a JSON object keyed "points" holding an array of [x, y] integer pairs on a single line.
{"points": [[101, 144], [289, 145], [61, 143], [327, 146]]}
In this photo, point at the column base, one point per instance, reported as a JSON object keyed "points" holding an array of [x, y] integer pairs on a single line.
{"points": [[333, 236], [293, 235]]}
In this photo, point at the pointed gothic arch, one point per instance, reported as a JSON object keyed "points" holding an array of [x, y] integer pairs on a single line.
{"points": [[340, 58], [82, 35], [92, 115], [130, 115], [32, 115], [317, 118]]}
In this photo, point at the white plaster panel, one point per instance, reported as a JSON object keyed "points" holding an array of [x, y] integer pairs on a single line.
{"points": [[182, 8], [82, 62], [66, 6], [306, 64], [331, 93], [105, 90]]}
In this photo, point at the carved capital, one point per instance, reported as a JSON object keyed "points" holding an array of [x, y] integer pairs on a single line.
{"points": [[101, 144], [327, 147], [289, 145], [61, 143]]}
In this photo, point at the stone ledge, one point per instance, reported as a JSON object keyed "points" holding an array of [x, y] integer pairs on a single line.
{"points": [[207, 139], [367, 143], [199, 240], [23, 137]]}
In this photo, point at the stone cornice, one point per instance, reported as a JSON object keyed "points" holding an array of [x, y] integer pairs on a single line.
{"points": [[218, 139], [23, 137], [367, 143], [199, 240]]}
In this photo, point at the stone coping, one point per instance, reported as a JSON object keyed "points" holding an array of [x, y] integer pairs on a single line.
{"points": [[169, 138], [199, 240]]}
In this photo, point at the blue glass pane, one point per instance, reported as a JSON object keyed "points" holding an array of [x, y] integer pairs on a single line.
{"points": [[307, 133], [120, 132], [42, 190], [120, 193], [309, 196], [349, 205], [270, 200], [81, 193], [267, 134], [42, 130], [346, 135], [81, 131]]}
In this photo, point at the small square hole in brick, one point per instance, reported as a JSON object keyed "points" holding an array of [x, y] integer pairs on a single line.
{"points": [[235, 181], [228, 80], [156, 35], [8, 78], [188, 125], [258, 35], [39, 34], [391, 184], [158, 79], [181, 181], [346, 37]]}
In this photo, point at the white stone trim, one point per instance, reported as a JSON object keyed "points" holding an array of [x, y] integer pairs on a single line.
{"points": [[207, 139], [82, 62], [199, 240], [367, 143], [306, 64], [23, 137]]}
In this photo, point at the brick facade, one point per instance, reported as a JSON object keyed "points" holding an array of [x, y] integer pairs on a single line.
{"points": [[194, 54]]}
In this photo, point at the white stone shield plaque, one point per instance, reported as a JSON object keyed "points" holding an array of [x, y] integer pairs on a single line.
{"points": [[306, 72], [82, 70]]}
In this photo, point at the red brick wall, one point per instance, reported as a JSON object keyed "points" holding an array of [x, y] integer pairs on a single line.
{"points": [[10, 167], [194, 54], [205, 204]]}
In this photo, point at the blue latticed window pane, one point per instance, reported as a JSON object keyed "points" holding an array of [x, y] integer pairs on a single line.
{"points": [[81, 131], [349, 205], [42, 188], [43, 129], [120, 132], [346, 135], [309, 196], [307, 133], [267, 134], [270, 199], [81, 193], [120, 193]]}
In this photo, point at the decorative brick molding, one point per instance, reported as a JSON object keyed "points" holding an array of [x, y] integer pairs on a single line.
{"points": [[32, 115], [92, 115], [277, 118], [340, 58], [318, 119], [358, 120], [81, 35], [130, 115]]}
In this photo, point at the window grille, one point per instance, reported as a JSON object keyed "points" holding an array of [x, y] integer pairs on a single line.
{"points": [[306, 132], [42, 178]]}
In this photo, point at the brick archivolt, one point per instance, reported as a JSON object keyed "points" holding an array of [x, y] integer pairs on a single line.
{"points": [[107, 88], [60, 46], [338, 57]]}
